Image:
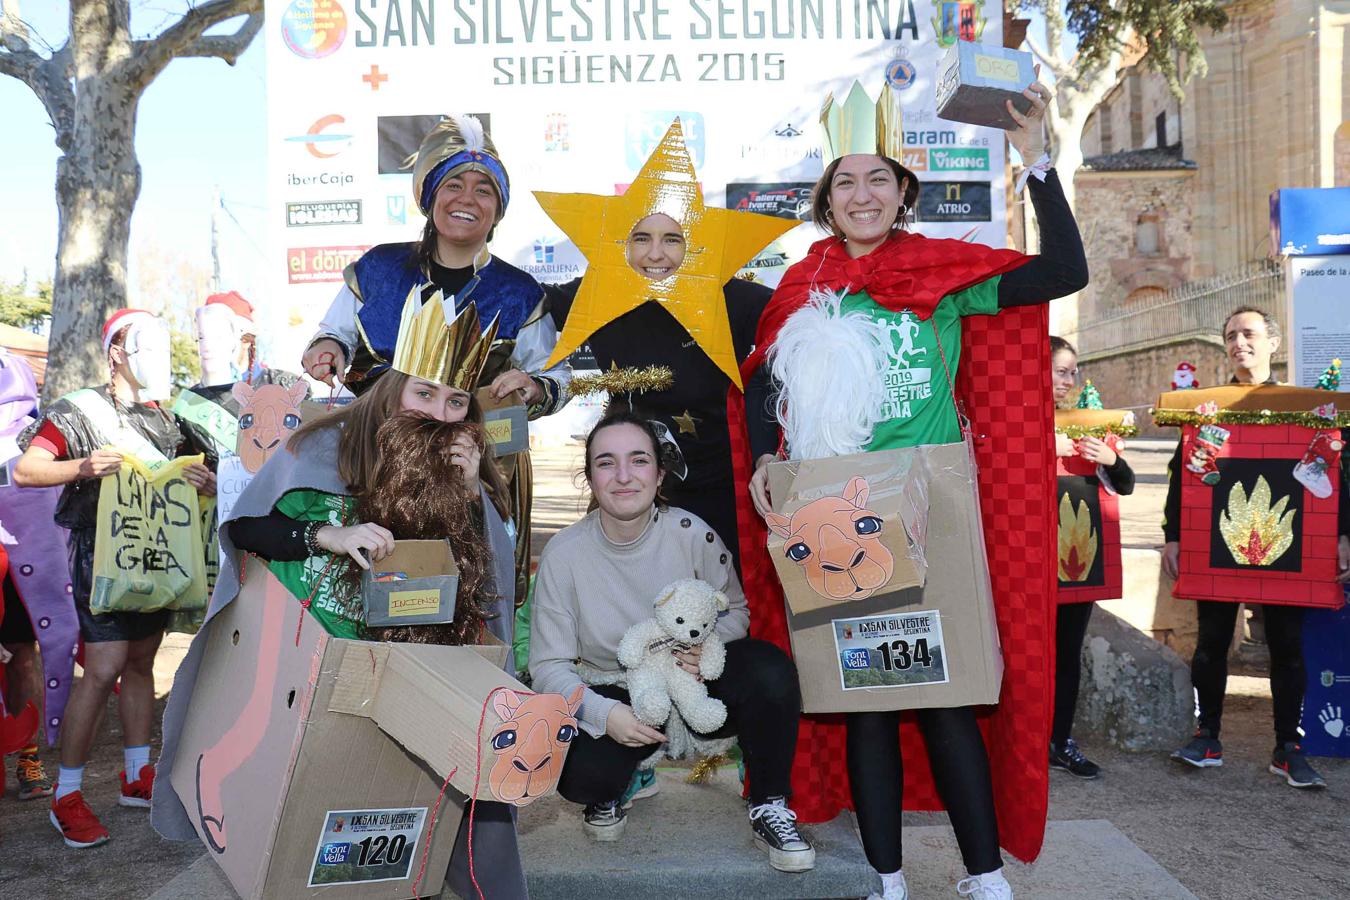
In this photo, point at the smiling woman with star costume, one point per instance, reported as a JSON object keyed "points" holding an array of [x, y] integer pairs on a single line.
{"points": [[461, 186], [652, 285], [881, 338]]}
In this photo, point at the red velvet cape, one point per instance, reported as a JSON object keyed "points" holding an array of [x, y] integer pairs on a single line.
{"points": [[1003, 382]]}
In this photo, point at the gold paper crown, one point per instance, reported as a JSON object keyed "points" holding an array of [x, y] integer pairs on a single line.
{"points": [[452, 353], [860, 126]]}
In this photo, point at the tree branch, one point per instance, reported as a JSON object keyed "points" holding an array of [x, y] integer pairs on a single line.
{"points": [[1056, 67], [187, 37], [47, 78]]}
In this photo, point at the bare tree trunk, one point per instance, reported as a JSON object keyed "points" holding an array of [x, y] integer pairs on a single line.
{"points": [[95, 193]]}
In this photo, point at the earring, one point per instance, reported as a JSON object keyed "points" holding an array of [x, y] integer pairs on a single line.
{"points": [[900, 216]]}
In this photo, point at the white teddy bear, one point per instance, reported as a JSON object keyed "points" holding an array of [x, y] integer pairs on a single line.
{"points": [[686, 616]]}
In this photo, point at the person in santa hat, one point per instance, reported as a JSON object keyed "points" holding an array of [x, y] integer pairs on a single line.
{"points": [[227, 345], [69, 446]]}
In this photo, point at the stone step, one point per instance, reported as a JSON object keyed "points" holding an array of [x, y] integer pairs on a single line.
{"points": [[693, 841], [688, 841]]}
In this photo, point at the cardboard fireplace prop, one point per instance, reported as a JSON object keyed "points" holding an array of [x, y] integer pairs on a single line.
{"points": [[312, 765], [1260, 476], [1089, 509], [877, 621]]}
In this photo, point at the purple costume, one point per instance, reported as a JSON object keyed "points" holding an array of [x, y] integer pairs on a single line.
{"points": [[36, 546]]}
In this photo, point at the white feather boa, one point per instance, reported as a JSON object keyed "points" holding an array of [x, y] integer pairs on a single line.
{"points": [[829, 368]]}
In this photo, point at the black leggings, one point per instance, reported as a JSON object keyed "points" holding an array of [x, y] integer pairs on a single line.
{"points": [[1209, 666], [759, 687], [1071, 624], [960, 765]]}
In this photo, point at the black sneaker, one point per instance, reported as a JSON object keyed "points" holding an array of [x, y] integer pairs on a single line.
{"points": [[1291, 764], [604, 821], [1069, 758], [775, 829], [1202, 752]]}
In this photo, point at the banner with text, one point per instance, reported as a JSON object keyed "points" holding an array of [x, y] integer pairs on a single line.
{"points": [[576, 94]]}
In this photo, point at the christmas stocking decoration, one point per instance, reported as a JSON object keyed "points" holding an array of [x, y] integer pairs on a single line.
{"points": [[1311, 470], [1209, 440]]}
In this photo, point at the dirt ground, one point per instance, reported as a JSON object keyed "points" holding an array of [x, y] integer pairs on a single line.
{"points": [[1231, 833]]}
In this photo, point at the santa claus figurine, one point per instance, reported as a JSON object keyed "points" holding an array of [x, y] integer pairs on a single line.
{"points": [[1184, 377]]}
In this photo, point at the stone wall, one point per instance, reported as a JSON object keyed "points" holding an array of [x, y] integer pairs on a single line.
{"points": [[1110, 207]]}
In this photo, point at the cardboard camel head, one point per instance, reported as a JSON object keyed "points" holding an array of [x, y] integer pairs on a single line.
{"points": [[531, 743], [837, 542], [267, 416]]}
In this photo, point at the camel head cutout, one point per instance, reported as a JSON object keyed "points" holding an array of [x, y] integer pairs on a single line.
{"points": [[837, 542], [267, 416], [531, 743]]}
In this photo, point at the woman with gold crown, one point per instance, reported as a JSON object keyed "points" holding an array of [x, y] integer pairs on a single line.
{"points": [[305, 511], [870, 343], [461, 185]]}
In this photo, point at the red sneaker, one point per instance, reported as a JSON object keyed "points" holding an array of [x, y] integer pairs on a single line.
{"points": [[137, 793], [77, 823]]}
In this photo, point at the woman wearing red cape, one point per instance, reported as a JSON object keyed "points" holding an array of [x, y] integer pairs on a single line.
{"points": [[978, 313]]}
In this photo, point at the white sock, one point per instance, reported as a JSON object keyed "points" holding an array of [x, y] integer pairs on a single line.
{"points": [[68, 781], [135, 758]]}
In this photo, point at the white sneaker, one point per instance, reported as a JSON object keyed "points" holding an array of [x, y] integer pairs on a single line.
{"points": [[989, 886], [892, 888]]}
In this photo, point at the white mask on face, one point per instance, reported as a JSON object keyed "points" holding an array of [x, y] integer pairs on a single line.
{"points": [[147, 350], [219, 332]]}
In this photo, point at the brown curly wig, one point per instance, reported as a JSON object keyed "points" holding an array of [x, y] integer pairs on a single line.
{"points": [[417, 493]]}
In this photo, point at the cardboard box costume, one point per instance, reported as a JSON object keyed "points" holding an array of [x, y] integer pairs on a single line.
{"points": [[913, 626], [1089, 566], [1259, 493]]}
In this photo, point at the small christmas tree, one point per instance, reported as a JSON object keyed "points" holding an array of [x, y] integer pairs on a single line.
{"points": [[1331, 378], [1089, 397]]}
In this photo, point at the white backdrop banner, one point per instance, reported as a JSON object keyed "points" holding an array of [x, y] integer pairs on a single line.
{"points": [[575, 94]]}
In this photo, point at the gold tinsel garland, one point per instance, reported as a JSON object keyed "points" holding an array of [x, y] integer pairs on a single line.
{"points": [[702, 770], [1098, 431], [1250, 417], [623, 381]]}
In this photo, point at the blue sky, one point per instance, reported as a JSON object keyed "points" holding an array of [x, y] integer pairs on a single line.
{"points": [[200, 124]]}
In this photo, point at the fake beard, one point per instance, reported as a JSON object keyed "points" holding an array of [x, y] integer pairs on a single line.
{"points": [[417, 493], [147, 348], [218, 335]]}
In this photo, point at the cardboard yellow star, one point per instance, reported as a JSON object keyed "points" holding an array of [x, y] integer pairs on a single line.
{"points": [[717, 243]]}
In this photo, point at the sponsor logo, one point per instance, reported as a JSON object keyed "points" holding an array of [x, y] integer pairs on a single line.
{"points": [[644, 131], [916, 160], [857, 658], [954, 201], [900, 73], [312, 265], [551, 259], [323, 212], [786, 146], [334, 854], [958, 159], [786, 201], [557, 133], [958, 20], [398, 137], [396, 209], [314, 28], [325, 179], [321, 143], [767, 260]]}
